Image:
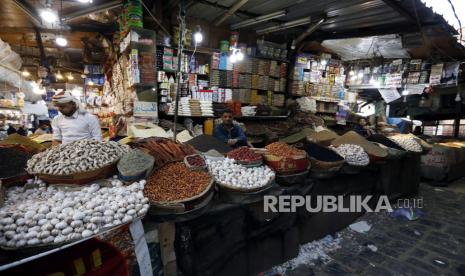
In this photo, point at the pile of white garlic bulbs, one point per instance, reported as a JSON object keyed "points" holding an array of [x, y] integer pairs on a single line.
{"points": [[407, 143], [75, 157], [48, 215], [228, 173], [354, 155]]}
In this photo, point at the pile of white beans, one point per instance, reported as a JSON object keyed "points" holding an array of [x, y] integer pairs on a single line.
{"points": [[354, 155], [48, 215], [228, 173], [407, 143]]}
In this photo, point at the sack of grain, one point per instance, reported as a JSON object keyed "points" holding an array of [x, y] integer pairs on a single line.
{"points": [[323, 138], [135, 165]]}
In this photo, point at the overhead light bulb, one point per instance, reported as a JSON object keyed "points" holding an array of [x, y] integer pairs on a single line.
{"points": [[70, 76], [61, 41], [198, 37], [84, 1], [239, 56], [25, 73], [48, 15], [233, 58], [360, 75], [324, 62], [351, 72], [59, 76], [83, 76], [405, 92], [90, 83]]}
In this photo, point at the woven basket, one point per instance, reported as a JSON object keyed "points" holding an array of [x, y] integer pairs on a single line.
{"points": [[244, 190], [323, 165], [80, 178]]}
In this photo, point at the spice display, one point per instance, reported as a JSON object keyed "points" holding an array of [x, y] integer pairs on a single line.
{"points": [[245, 155], [175, 181], [324, 137], [230, 174], [407, 142], [75, 157], [322, 153], [27, 143], [283, 150], [205, 143], [12, 162], [164, 150], [135, 162], [353, 154], [354, 138], [379, 138], [195, 161], [48, 215]]}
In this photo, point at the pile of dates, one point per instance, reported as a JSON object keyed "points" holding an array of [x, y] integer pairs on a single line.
{"points": [[245, 155]]}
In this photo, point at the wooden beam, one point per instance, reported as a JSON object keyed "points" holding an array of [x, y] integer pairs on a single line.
{"points": [[91, 9], [230, 11], [29, 11], [395, 6]]}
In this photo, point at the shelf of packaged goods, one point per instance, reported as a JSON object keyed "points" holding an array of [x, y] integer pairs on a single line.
{"points": [[144, 85], [200, 50], [326, 100], [10, 108], [235, 117]]}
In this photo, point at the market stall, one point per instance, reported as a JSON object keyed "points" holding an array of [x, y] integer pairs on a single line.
{"points": [[163, 192]]}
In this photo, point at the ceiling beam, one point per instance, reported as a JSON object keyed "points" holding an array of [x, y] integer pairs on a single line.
{"points": [[30, 11], [309, 31], [404, 13], [91, 9], [230, 12]]}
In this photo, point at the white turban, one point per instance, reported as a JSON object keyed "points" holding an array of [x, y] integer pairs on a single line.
{"points": [[67, 97]]}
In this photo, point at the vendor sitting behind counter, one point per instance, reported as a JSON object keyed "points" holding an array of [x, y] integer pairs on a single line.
{"points": [[230, 133]]}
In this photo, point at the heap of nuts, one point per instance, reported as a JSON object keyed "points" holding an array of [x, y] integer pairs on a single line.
{"points": [[353, 154], [283, 150], [245, 155], [195, 161], [175, 181]]}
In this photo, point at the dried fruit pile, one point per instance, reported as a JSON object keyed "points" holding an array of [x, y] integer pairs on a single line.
{"points": [[245, 155], [164, 150], [78, 156], [407, 143], [175, 181], [196, 161], [48, 215], [283, 150]]}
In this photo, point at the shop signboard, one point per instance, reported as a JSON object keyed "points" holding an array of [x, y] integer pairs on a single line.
{"points": [[145, 109], [436, 74], [389, 94]]}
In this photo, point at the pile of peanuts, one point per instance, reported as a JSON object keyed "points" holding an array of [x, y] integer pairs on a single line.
{"points": [[175, 181], [283, 150]]}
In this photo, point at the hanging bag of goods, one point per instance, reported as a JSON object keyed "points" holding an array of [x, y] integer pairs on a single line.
{"points": [[285, 159], [78, 162]]}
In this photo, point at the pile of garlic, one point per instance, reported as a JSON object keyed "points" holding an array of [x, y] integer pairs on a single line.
{"points": [[47, 215], [228, 173], [407, 143], [354, 155], [75, 157]]}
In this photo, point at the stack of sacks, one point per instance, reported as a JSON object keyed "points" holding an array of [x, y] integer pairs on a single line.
{"points": [[206, 108], [195, 108]]}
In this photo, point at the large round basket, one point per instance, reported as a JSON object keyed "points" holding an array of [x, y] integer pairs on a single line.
{"points": [[292, 179], [80, 178], [284, 166], [185, 204], [244, 190]]}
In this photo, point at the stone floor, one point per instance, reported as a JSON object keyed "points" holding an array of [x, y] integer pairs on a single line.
{"points": [[432, 245]]}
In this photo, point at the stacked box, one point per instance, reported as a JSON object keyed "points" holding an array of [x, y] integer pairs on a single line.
{"points": [[245, 95], [245, 81], [215, 61], [283, 70], [278, 100], [263, 82], [263, 67], [215, 77]]}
